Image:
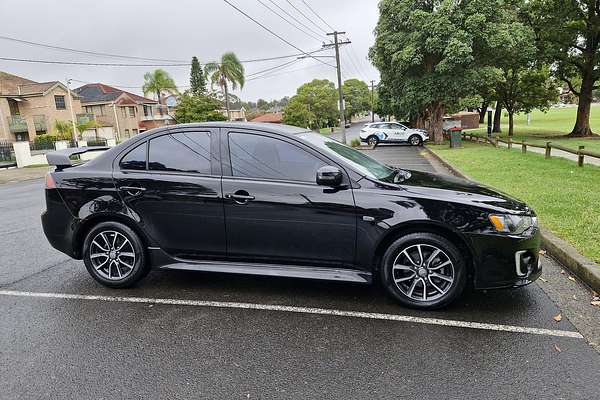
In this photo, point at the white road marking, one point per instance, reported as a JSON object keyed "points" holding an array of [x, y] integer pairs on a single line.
{"points": [[302, 310]]}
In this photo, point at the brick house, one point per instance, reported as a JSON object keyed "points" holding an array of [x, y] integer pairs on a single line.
{"points": [[29, 108], [127, 113]]}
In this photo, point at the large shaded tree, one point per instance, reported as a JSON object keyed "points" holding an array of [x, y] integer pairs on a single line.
{"points": [[568, 35], [227, 73], [428, 53], [314, 105], [357, 97], [193, 108]]}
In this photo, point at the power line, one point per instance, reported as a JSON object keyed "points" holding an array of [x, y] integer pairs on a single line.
{"points": [[296, 19], [304, 15], [27, 60], [94, 53], [279, 73], [317, 14], [271, 32], [288, 21], [273, 68]]}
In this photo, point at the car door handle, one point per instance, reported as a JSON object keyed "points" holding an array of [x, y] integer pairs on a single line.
{"points": [[132, 190], [240, 197]]}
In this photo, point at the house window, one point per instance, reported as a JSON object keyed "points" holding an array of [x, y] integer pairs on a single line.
{"points": [[127, 132], [147, 111], [132, 112], [124, 112], [59, 101]]}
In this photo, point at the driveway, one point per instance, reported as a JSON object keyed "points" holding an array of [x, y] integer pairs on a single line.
{"points": [[204, 335]]}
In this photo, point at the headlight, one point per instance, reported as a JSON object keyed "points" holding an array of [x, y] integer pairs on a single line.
{"points": [[515, 224]]}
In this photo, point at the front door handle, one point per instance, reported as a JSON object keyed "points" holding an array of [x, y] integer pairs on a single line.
{"points": [[132, 190], [240, 197]]}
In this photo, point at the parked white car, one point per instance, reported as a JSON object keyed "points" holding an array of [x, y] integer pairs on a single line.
{"points": [[392, 132]]}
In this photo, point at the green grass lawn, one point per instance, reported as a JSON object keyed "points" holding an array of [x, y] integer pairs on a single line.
{"points": [[545, 127], [565, 196]]}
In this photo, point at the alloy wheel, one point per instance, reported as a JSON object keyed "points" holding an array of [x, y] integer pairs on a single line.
{"points": [[112, 255], [415, 141], [423, 272], [373, 141]]}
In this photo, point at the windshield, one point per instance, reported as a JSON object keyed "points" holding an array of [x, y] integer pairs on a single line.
{"points": [[360, 161]]}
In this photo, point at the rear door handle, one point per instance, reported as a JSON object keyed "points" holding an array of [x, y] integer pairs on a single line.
{"points": [[132, 190]]}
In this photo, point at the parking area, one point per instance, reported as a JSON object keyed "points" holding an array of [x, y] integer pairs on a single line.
{"points": [[204, 335]]}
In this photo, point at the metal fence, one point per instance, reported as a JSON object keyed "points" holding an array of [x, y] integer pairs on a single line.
{"points": [[7, 152]]}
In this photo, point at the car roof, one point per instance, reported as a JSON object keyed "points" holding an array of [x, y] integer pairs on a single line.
{"points": [[284, 129]]}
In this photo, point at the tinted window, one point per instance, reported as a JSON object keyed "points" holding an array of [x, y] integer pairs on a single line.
{"points": [[257, 156], [181, 152], [135, 159]]}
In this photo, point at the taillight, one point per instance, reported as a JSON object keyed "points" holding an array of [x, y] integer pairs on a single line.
{"points": [[50, 184]]}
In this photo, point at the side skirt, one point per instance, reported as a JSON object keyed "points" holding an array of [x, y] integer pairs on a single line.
{"points": [[166, 262]]}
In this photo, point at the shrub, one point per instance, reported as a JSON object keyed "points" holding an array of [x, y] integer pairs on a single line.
{"points": [[355, 142]]}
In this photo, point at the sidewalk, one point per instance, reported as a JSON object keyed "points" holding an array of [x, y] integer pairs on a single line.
{"points": [[12, 175]]}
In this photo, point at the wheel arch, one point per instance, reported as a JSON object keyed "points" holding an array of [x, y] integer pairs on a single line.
{"points": [[90, 222], [457, 238]]}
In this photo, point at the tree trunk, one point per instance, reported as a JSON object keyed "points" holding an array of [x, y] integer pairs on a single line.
{"points": [[510, 123], [435, 120], [497, 116], [483, 111], [582, 123], [227, 101]]}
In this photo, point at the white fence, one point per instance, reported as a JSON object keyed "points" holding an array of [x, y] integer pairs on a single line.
{"points": [[24, 157]]}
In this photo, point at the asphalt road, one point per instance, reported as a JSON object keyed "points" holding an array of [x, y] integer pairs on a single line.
{"points": [[109, 344]]}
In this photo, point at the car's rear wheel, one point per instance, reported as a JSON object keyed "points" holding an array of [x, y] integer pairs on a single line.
{"points": [[373, 140], [114, 255], [415, 140], [423, 270]]}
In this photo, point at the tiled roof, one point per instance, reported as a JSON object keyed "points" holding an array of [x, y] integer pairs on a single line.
{"points": [[10, 85], [269, 117], [101, 93]]}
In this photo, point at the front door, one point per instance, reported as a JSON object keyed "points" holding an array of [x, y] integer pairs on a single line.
{"points": [[274, 210], [172, 183]]}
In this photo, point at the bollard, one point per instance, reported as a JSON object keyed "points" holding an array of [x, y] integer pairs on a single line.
{"points": [[580, 156], [524, 147], [509, 143], [548, 149]]}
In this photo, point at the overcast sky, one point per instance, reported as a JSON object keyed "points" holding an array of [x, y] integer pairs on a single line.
{"points": [[180, 29]]}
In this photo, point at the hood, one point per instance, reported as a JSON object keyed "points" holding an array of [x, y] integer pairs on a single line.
{"points": [[460, 190]]}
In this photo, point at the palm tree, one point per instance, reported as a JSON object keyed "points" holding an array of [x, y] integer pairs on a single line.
{"points": [[228, 70], [157, 82]]}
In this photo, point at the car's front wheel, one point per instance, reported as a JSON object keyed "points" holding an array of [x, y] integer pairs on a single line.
{"points": [[373, 140], [423, 270], [415, 140], [114, 255]]}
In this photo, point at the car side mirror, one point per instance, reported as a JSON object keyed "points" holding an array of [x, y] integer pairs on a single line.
{"points": [[329, 175]]}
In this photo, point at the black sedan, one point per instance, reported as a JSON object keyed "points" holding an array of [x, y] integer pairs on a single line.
{"points": [[279, 200]]}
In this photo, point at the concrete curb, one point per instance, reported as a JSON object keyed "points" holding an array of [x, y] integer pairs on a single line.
{"points": [[584, 268]]}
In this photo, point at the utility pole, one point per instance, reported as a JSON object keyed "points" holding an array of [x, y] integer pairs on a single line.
{"points": [[339, 78], [372, 106], [75, 136]]}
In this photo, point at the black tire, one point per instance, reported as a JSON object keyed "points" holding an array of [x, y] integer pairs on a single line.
{"points": [[415, 140], [373, 140], [438, 292], [116, 274]]}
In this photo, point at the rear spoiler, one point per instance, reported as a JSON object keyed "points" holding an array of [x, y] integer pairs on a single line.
{"points": [[61, 158]]}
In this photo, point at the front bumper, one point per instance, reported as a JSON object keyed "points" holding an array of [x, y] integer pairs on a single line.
{"points": [[502, 261]]}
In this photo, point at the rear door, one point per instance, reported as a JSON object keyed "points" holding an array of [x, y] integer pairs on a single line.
{"points": [[274, 210], [172, 184], [396, 132]]}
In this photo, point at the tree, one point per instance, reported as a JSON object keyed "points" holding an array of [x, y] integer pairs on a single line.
{"points": [[228, 72], [262, 104], [429, 52], [158, 82], [568, 35], [201, 108], [314, 105], [522, 90], [197, 78], [357, 97]]}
